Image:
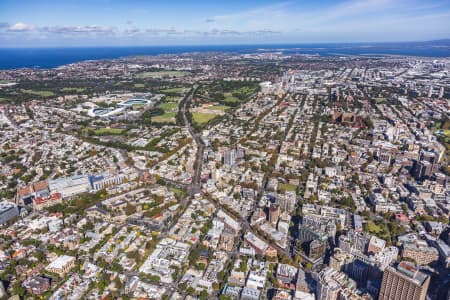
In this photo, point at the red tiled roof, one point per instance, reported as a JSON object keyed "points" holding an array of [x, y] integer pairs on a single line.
{"points": [[52, 197], [40, 185]]}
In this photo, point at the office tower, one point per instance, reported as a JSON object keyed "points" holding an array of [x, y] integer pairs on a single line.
{"points": [[421, 170], [404, 283]]}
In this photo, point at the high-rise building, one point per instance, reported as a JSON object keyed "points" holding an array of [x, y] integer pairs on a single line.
{"points": [[428, 156], [229, 157], [316, 249], [358, 271], [340, 260], [354, 240], [308, 234], [422, 169], [274, 213], [430, 91], [441, 92], [287, 201], [404, 283]]}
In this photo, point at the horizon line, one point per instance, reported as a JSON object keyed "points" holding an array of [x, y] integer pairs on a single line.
{"points": [[225, 44]]}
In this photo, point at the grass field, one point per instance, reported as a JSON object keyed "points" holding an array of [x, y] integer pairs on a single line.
{"points": [[202, 118], [177, 90], [172, 98], [72, 90], [139, 85], [170, 111], [178, 192], [169, 106], [245, 89], [286, 187], [230, 98], [159, 74], [108, 131], [218, 107], [227, 93], [5, 81], [167, 117], [39, 93]]}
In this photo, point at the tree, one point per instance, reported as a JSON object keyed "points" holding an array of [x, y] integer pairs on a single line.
{"points": [[308, 266], [194, 256], [18, 289], [371, 227], [154, 278], [220, 276], [190, 290], [130, 209], [203, 294], [117, 282], [88, 226], [182, 286], [243, 266], [205, 228]]}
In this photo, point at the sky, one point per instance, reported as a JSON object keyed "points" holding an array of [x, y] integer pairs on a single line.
{"points": [[63, 23]]}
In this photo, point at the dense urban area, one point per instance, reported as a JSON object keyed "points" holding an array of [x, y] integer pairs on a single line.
{"points": [[226, 176]]}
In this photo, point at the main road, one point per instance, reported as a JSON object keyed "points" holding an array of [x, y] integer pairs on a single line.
{"points": [[195, 185]]}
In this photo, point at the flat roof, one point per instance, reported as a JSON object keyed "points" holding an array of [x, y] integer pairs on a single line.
{"points": [[6, 205], [60, 262]]}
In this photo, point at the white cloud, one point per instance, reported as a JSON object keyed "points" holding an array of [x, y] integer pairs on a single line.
{"points": [[293, 21], [21, 27], [78, 29], [349, 20]]}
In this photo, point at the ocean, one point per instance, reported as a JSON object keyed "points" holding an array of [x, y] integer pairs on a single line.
{"points": [[13, 58]]}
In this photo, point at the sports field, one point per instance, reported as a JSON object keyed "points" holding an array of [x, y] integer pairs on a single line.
{"points": [[202, 118]]}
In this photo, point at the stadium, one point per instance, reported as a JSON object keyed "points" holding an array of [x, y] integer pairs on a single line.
{"points": [[120, 108]]}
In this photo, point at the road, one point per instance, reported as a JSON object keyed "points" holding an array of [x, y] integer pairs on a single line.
{"points": [[195, 185], [11, 120]]}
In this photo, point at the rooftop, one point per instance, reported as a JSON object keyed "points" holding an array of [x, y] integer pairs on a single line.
{"points": [[61, 262], [411, 271]]}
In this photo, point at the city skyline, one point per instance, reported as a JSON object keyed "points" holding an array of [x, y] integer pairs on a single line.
{"points": [[139, 23]]}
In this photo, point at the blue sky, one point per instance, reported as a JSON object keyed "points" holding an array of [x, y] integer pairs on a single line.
{"points": [[40, 23]]}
